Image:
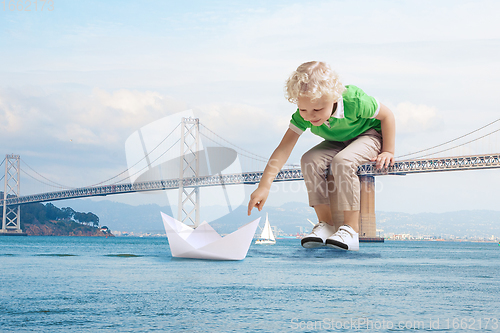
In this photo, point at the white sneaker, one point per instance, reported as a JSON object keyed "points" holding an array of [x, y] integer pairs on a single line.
{"points": [[321, 231], [345, 238]]}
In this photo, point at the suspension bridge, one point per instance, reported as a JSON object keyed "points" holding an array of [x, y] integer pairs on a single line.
{"points": [[190, 179]]}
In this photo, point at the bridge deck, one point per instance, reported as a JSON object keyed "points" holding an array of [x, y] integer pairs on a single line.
{"points": [[472, 162]]}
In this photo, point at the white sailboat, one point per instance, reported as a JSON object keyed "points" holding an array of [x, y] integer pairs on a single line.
{"points": [[267, 236]]}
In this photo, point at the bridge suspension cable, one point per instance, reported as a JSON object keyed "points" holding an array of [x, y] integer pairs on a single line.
{"points": [[246, 153], [450, 141], [1, 167], [142, 159], [147, 166], [257, 157], [48, 182], [463, 144], [42, 182], [54, 184]]}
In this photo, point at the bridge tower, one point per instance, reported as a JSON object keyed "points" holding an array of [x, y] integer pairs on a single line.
{"points": [[367, 220], [189, 197], [11, 218]]}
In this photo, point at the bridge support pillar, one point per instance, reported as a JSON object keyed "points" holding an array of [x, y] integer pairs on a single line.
{"points": [[11, 215], [367, 222], [189, 198]]}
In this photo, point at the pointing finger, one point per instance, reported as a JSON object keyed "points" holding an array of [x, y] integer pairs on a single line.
{"points": [[251, 204]]}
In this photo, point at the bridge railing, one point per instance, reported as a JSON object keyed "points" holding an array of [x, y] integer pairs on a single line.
{"points": [[487, 161]]}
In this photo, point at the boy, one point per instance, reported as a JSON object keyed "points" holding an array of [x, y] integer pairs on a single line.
{"points": [[356, 128]]}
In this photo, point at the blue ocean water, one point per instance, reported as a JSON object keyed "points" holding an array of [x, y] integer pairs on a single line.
{"points": [[87, 284]]}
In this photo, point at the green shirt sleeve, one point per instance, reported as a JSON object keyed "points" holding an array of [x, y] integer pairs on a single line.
{"points": [[357, 100], [299, 122]]}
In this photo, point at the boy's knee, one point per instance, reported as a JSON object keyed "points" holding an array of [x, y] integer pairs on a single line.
{"points": [[341, 164], [307, 160]]}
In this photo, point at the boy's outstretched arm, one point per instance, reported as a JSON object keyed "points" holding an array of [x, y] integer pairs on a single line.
{"points": [[274, 165], [388, 124]]}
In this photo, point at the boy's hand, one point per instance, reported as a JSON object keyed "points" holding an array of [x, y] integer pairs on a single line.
{"points": [[384, 160], [257, 199]]}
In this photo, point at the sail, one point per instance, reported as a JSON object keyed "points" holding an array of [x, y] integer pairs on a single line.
{"points": [[267, 232]]}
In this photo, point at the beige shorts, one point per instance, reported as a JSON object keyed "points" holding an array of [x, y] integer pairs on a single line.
{"points": [[341, 160]]}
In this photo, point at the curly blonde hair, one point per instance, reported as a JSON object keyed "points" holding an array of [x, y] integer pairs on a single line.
{"points": [[313, 79]]}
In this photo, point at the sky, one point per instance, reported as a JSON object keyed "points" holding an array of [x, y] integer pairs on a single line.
{"points": [[77, 78]]}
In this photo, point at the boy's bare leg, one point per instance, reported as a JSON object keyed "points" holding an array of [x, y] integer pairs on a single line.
{"points": [[351, 218], [324, 213], [337, 216]]}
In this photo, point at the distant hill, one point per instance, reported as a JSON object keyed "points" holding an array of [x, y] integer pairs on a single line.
{"points": [[291, 216], [39, 219], [63, 228], [121, 217]]}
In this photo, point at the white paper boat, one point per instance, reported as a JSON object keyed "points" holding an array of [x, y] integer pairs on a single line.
{"points": [[205, 243]]}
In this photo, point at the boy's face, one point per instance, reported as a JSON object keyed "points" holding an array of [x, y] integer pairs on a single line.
{"points": [[317, 111]]}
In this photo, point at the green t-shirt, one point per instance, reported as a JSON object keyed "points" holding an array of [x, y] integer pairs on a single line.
{"points": [[355, 114]]}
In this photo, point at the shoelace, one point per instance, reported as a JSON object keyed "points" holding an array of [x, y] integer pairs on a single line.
{"points": [[343, 233], [318, 226]]}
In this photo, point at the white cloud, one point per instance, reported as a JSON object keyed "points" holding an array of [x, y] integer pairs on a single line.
{"points": [[9, 121], [78, 134], [127, 109], [412, 118], [101, 118]]}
